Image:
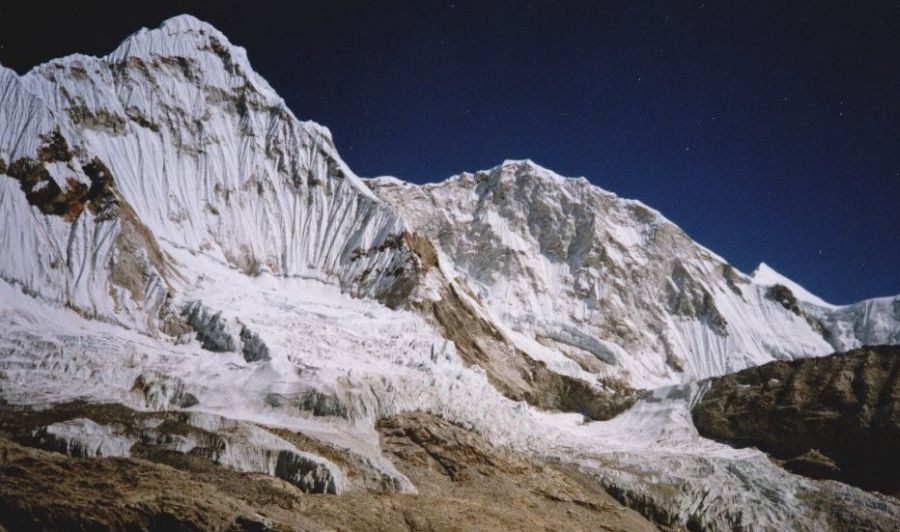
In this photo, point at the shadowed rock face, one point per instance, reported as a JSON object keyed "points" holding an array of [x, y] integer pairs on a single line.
{"points": [[835, 417]]}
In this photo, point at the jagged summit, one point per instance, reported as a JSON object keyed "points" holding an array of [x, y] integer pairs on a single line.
{"points": [[185, 36], [529, 167], [177, 35], [196, 47], [510, 168], [184, 23], [181, 35]]}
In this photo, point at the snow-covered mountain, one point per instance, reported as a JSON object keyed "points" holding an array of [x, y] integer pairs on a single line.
{"points": [[174, 238], [614, 286], [173, 138]]}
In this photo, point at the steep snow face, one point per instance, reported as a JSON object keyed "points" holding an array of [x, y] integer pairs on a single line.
{"points": [[194, 151], [764, 275], [871, 322], [606, 281]]}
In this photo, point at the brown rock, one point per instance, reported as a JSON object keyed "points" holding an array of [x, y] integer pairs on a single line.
{"points": [[835, 417], [463, 483]]}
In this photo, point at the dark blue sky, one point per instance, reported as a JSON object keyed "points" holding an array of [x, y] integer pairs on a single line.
{"points": [[769, 131]]}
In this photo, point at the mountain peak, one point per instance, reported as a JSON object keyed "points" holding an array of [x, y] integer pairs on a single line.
{"points": [[529, 168], [187, 38], [767, 276], [526, 164], [520, 172], [183, 26], [186, 22]]}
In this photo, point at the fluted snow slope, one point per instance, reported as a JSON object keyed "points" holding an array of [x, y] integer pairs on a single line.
{"points": [[205, 155], [871, 322]]}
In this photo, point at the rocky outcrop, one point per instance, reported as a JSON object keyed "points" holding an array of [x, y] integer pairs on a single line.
{"points": [[218, 334], [312, 401], [835, 417], [253, 347], [160, 392], [784, 297], [212, 331]]}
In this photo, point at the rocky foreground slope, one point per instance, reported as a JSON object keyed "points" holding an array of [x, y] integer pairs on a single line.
{"points": [[177, 244], [463, 484]]}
